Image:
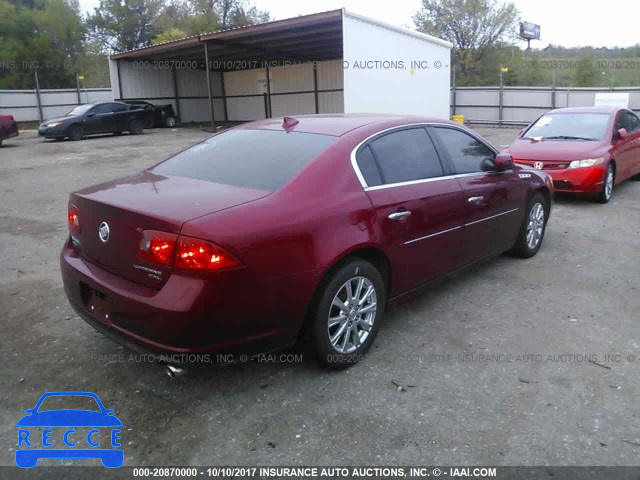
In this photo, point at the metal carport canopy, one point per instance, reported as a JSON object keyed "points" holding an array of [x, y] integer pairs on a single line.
{"points": [[313, 37]]}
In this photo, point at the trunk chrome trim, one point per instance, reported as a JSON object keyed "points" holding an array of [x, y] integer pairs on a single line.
{"points": [[432, 235], [492, 216]]}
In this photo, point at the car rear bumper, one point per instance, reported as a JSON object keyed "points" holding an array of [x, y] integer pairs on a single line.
{"points": [[225, 313]]}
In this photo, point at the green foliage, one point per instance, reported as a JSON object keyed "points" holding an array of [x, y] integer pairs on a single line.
{"points": [[474, 27], [169, 35], [47, 39]]}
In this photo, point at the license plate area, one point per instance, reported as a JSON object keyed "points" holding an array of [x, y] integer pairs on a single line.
{"points": [[95, 301]]}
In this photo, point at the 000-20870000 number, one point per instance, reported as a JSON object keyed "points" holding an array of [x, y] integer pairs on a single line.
{"points": [[165, 472]]}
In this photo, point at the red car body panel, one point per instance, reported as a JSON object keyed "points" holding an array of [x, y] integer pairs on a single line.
{"points": [[287, 241], [555, 156], [8, 127]]}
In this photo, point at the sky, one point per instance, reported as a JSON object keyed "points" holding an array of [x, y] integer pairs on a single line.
{"points": [[568, 23]]}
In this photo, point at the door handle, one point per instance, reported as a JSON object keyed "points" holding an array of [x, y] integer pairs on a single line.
{"points": [[399, 215], [475, 199]]}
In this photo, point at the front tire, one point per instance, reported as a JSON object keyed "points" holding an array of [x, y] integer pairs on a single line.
{"points": [[533, 228], [75, 133], [346, 316], [607, 188], [170, 122], [136, 127]]}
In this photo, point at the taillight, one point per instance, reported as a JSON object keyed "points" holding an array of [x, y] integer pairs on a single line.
{"points": [[74, 218], [196, 254], [184, 252], [157, 247]]}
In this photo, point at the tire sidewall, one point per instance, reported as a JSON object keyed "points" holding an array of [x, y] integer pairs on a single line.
{"points": [[522, 246], [170, 122], [603, 195], [132, 127], [75, 128], [325, 352]]}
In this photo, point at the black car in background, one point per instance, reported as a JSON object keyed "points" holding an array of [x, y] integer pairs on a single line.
{"points": [[156, 115], [93, 118]]}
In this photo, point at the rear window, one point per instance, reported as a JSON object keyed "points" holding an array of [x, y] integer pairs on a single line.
{"points": [[259, 159]]}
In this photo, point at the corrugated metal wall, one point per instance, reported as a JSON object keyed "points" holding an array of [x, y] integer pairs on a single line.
{"points": [[23, 104], [244, 89], [524, 104]]}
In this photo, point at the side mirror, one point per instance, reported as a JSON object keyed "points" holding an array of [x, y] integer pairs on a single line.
{"points": [[503, 161], [622, 133]]}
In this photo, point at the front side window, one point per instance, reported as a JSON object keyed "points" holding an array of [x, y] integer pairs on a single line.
{"points": [[104, 108], [405, 155], [465, 151], [628, 121]]}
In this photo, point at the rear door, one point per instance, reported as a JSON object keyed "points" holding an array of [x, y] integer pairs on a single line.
{"points": [[121, 117], [494, 201], [419, 207]]}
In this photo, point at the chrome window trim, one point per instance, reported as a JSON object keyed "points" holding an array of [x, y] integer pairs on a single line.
{"points": [[492, 216], [363, 183], [432, 235]]}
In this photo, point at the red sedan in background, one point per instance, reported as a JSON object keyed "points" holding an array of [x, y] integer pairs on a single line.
{"points": [[295, 226], [585, 150], [8, 127]]}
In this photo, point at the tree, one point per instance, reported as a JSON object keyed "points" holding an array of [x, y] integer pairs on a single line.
{"points": [[472, 26], [169, 35], [121, 25], [586, 74], [47, 39]]}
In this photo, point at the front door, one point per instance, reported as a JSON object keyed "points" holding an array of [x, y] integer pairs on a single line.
{"points": [[494, 200]]}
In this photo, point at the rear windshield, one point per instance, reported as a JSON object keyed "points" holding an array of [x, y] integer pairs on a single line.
{"points": [[570, 126], [259, 159]]}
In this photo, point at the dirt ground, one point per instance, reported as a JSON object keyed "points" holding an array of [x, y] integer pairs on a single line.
{"points": [[514, 362]]}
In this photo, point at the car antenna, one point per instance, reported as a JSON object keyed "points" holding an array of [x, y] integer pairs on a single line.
{"points": [[289, 122]]}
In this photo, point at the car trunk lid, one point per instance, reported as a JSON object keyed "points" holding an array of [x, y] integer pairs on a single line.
{"points": [[124, 208]]}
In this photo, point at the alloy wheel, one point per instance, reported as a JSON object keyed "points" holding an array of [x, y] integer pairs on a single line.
{"points": [[352, 314]]}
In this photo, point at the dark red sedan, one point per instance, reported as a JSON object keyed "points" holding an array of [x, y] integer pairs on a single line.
{"points": [[585, 150], [8, 128], [295, 226]]}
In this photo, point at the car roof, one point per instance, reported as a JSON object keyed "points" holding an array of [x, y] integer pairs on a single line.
{"points": [[338, 124], [599, 109]]}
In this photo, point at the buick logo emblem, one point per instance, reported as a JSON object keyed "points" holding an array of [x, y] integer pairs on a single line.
{"points": [[538, 165], [103, 232]]}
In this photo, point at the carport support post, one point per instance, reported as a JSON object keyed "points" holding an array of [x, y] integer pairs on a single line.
{"points": [[175, 93], [315, 85], [38, 98], [268, 90], [209, 92], [500, 99]]}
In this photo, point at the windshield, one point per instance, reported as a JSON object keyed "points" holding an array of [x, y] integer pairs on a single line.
{"points": [[258, 159], [570, 126], [69, 402], [80, 110]]}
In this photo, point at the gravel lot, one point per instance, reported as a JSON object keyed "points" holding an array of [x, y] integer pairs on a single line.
{"points": [[492, 364]]}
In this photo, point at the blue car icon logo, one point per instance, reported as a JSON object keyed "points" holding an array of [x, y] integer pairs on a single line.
{"points": [[69, 433]]}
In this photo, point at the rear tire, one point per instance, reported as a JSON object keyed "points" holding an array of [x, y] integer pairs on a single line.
{"points": [[533, 227], [607, 188], [346, 314], [170, 122], [75, 133], [136, 127]]}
